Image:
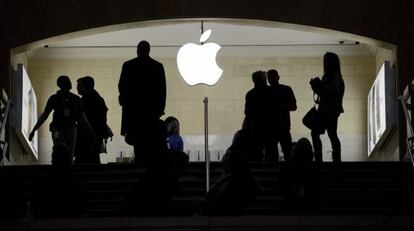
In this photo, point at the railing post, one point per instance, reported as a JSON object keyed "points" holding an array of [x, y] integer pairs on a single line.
{"points": [[3, 143], [407, 118], [206, 152]]}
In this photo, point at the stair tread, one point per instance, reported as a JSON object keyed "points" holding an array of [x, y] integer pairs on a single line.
{"points": [[360, 187]]}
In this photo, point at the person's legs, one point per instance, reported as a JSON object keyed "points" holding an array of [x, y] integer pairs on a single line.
{"points": [[151, 142], [142, 149], [96, 158], [70, 140], [271, 150], [141, 141], [332, 125], [138, 153], [67, 138], [256, 140], [317, 146], [285, 139], [81, 150]]}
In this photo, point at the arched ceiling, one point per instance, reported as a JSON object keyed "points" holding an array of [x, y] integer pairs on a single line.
{"points": [[236, 39]]}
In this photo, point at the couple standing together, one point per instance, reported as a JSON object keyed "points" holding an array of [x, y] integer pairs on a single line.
{"points": [[267, 112]]}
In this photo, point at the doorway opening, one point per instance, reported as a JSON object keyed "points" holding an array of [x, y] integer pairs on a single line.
{"points": [[296, 51]]}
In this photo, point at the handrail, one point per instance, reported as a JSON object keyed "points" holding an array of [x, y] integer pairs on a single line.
{"points": [[407, 118], [206, 152], [2, 131], [4, 119]]}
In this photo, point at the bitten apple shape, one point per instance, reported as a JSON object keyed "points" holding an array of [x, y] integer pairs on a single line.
{"points": [[197, 63]]}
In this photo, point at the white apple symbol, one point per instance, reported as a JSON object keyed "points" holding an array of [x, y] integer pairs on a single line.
{"points": [[197, 63]]}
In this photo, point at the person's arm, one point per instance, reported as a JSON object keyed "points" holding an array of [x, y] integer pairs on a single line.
{"points": [[291, 100], [82, 119], [43, 117], [84, 122], [40, 121], [101, 117], [317, 85], [180, 144], [121, 97], [163, 91], [248, 105], [50, 105], [122, 85]]}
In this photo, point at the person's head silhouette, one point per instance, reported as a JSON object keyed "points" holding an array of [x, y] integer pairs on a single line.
{"points": [[331, 64], [143, 48], [302, 152], [63, 82], [85, 84], [273, 77], [173, 125], [259, 78]]}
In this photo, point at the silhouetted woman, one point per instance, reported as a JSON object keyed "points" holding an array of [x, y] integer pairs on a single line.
{"points": [[331, 92]]}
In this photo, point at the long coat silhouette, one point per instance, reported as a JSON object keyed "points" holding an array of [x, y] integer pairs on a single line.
{"points": [[142, 95], [142, 91]]}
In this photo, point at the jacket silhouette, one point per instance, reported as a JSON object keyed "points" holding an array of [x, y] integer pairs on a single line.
{"points": [[330, 89], [87, 149], [142, 95], [258, 114]]}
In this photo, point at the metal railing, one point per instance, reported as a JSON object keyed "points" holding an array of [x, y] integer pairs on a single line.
{"points": [[410, 139], [206, 152], [5, 111]]}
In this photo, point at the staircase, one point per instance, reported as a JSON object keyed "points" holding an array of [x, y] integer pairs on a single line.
{"points": [[358, 195]]}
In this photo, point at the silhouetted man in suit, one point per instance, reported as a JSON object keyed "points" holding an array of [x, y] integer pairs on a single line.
{"points": [[285, 102], [142, 95]]}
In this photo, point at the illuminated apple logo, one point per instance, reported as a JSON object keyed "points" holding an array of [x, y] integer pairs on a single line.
{"points": [[197, 63]]}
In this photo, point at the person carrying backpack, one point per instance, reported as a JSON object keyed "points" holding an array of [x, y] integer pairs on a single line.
{"points": [[87, 150], [67, 114]]}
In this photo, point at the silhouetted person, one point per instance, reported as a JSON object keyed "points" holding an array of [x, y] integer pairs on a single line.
{"points": [[58, 195], [330, 90], [142, 95], [9, 193], [257, 116], [178, 159], [241, 138], [88, 149], [299, 179], [178, 162], [67, 114], [283, 102], [155, 188], [234, 188], [174, 140]]}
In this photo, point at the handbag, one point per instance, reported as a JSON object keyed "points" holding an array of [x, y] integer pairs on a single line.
{"points": [[108, 134], [313, 120]]}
